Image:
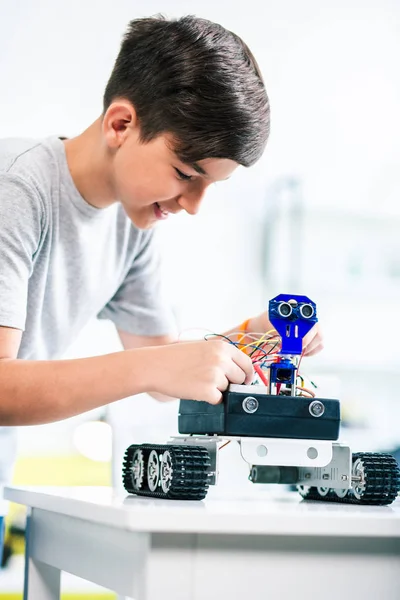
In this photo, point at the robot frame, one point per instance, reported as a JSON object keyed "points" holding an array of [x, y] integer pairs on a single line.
{"points": [[284, 437]]}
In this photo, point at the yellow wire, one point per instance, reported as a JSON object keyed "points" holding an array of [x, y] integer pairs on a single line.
{"points": [[259, 341], [242, 337]]}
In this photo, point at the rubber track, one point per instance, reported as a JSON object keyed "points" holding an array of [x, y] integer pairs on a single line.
{"points": [[382, 477], [190, 466]]}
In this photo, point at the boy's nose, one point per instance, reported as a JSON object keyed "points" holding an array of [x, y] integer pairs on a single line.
{"points": [[190, 201]]}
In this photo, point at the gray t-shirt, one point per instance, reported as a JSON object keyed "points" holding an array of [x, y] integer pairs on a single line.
{"points": [[63, 261]]}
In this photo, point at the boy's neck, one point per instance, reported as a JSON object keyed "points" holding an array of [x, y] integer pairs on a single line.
{"points": [[90, 166]]}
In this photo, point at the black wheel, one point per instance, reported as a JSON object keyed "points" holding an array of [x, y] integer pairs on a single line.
{"points": [[315, 493], [323, 491], [306, 491], [184, 472], [376, 478], [174, 472], [134, 468], [341, 493]]}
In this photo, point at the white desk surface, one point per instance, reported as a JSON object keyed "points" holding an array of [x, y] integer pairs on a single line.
{"points": [[255, 513]]}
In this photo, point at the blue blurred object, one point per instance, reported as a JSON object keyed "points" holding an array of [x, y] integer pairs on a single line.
{"points": [[292, 317], [1, 538], [283, 371]]}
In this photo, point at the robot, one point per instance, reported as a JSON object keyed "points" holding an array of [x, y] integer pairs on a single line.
{"points": [[285, 435]]}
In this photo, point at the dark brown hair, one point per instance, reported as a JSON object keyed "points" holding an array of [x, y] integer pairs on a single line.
{"points": [[197, 81]]}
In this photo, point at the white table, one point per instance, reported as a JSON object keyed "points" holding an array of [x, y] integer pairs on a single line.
{"points": [[259, 547]]}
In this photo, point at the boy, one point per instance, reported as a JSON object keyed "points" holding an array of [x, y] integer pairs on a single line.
{"points": [[184, 106]]}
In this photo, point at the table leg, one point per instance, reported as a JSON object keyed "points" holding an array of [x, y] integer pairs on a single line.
{"points": [[42, 582]]}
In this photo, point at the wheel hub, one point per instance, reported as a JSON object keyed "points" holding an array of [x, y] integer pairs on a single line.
{"points": [[153, 471], [166, 471], [137, 469], [358, 475]]}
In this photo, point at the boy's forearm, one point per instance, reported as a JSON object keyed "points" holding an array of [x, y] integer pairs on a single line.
{"points": [[35, 392]]}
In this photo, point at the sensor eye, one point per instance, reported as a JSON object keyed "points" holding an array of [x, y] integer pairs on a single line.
{"points": [[284, 309], [306, 311]]}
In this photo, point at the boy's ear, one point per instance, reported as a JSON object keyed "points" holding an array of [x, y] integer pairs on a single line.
{"points": [[119, 120]]}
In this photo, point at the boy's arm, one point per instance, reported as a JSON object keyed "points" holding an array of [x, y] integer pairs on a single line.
{"points": [[34, 392], [130, 341]]}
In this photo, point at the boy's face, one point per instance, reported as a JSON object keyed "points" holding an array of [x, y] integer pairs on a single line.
{"points": [[148, 178]]}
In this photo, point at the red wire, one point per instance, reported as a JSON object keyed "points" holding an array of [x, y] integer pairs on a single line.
{"points": [[261, 375], [258, 356], [298, 366]]}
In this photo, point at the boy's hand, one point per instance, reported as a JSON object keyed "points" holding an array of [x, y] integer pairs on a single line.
{"points": [[312, 342], [197, 370]]}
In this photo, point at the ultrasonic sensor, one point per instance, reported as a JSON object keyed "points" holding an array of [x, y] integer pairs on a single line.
{"points": [[284, 309], [306, 311]]}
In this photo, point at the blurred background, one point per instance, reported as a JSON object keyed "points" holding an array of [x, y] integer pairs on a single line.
{"points": [[318, 215]]}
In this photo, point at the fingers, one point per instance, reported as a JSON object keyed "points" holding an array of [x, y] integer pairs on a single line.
{"points": [[312, 342], [214, 395], [311, 350], [235, 374], [218, 399], [243, 362], [239, 369]]}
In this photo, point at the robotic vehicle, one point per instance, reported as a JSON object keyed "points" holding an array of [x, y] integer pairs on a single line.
{"points": [[285, 435]]}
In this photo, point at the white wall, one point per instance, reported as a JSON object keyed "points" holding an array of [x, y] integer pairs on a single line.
{"points": [[331, 70]]}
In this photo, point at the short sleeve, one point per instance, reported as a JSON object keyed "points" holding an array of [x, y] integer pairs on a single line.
{"points": [[140, 306], [21, 214]]}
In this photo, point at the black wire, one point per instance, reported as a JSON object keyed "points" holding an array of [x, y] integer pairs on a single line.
{"points": [[225, 337], [273, 347], [262, 347], [271, 350]]}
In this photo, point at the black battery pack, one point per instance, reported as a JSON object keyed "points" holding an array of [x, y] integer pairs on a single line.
{"points": [[247, 412]]}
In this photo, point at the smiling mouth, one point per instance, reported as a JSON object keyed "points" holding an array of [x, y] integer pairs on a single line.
{"points": [[160, 212]]}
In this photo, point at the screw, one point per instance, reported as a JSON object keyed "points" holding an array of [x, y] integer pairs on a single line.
{"points": [[250, 404], [316, 408]]}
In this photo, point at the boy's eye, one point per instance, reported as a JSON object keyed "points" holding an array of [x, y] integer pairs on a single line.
{"points": [[183, 176]]}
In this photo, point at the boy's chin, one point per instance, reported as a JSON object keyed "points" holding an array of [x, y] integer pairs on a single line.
{"points": [[141, 221]]}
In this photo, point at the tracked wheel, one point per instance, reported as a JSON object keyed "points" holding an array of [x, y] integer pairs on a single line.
{"points": [[134, 469], [306, 491], [375, 480], [341, 492], [174, 472]]}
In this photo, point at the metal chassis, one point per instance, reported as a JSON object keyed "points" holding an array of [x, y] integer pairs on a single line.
{"points": [[320, 463]]}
